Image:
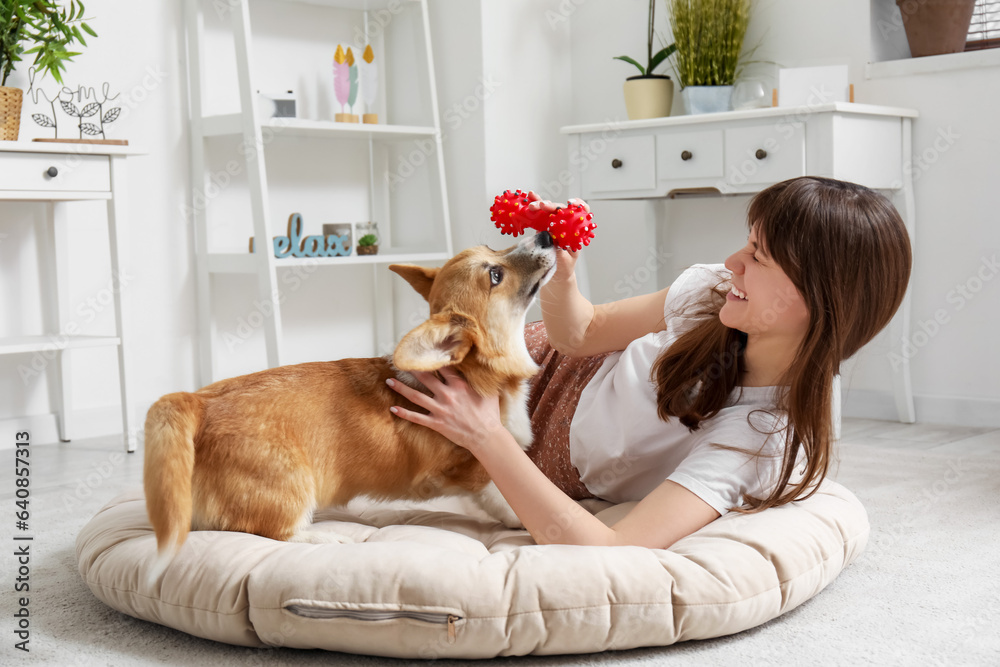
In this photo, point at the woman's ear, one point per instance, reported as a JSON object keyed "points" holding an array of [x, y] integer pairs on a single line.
{"points": [[441, 341], [420, 278]]}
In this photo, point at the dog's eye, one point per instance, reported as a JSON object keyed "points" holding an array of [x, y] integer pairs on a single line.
{"points": [[496, 275]]}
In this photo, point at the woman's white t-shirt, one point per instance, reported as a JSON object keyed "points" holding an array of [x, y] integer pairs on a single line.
{"points": [[623, 450]]}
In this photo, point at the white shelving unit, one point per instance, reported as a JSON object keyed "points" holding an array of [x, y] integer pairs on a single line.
{"points": [[58, 174], [249, 127]]}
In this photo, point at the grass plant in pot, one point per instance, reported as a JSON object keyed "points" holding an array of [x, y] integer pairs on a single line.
{"points": [[50, 28], [709, 37], [649, 95]]}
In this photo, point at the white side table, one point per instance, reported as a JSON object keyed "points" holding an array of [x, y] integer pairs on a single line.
{"points": [[740, 152], [57, 173]]}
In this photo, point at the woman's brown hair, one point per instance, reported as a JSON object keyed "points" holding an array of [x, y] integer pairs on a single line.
{"points": [[846, 250]]}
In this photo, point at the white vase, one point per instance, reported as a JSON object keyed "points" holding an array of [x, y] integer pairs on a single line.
{"points": [[707, 99], [648, 96]]}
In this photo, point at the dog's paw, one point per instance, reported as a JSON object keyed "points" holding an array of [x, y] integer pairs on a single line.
{"points": [[320, 537]]}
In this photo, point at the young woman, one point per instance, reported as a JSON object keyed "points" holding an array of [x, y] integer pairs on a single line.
{"points": [[709, 396]]}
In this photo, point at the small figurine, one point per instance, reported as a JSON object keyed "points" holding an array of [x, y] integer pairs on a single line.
{"points": [[570, 226]]}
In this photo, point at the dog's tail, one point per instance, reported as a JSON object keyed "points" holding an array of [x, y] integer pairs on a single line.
{"points": [[171, 425]]}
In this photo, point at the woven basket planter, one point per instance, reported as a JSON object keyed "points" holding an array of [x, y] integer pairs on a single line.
{"points": [[10, 112]]}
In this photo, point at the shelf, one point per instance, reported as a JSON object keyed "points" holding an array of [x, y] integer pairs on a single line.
{"points": [[231, 124], [780, 113], [246, 262], [52, 195], [20, 344], [356, 5], [948, 62], [72, 147]]}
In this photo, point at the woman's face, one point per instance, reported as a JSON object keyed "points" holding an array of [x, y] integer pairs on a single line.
{"points": [[763, 299]]}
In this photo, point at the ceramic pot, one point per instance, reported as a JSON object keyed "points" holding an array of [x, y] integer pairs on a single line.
{"points": [[648, 96], [707, 99], [934, 27], [10, 112]]}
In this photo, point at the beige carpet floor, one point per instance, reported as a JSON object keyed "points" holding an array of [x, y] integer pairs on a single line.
{"points": [[926, 591]]}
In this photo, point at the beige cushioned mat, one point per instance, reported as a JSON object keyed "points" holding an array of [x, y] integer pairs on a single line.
{"points": [[428, 583]]}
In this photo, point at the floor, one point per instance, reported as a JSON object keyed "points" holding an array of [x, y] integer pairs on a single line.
{"points": [[927, 581]]}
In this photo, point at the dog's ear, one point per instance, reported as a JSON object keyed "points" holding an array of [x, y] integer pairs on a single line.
{"points": [[420, 278], [441, 341]]}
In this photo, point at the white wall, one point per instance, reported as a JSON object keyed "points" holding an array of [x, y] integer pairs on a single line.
{"points": [[954, 365], [510, 73]]}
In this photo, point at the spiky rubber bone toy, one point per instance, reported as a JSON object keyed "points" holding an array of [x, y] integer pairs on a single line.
{"points": [[570, 226]]}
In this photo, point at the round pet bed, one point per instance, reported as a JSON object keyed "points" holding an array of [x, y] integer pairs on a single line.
{"points": [[425, 583]]}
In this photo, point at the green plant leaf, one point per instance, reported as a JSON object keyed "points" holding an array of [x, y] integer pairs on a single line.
{"points": [[632, 61], [660, 56], [87, 29]]}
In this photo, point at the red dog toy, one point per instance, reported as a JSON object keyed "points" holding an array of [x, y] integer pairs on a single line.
{"points": [[570, 226]]}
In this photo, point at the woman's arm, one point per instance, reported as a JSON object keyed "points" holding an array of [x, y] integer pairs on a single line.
{"points": [[667, 514], [576, 327]]}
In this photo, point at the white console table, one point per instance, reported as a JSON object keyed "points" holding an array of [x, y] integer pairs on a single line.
{"points": [[741, 152], [57, 173]]}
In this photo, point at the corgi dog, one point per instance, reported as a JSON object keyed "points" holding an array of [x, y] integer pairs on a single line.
{"points": [[261, 452]]}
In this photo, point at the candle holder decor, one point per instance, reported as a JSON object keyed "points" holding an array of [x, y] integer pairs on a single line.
{"points": [[342, 243]]}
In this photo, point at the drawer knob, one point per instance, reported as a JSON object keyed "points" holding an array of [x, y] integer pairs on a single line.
{"points": [[686, 155], [616, 163], [761, 153], [52, 172]]}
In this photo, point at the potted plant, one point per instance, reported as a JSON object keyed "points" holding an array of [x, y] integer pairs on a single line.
{"points": [[709, 36], [935, 27], [649, 95], [368, 245], [51, 28]]}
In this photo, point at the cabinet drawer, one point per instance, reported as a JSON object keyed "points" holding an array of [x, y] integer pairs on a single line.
{"points": [[689, 155], [629, 163], [765, 154], [75, 173]]}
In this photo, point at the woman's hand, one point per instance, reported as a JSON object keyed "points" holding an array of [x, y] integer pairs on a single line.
{"points": [[565, 259], [455, 410]]}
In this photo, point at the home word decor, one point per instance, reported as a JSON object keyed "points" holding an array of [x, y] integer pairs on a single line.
{"points": [[68, 99]]}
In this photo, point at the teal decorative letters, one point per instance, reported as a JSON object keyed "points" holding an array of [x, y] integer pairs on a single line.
{"points": [[293, 245]]}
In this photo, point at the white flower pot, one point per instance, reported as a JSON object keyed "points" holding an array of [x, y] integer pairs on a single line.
{"points": [[707, 99]]}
